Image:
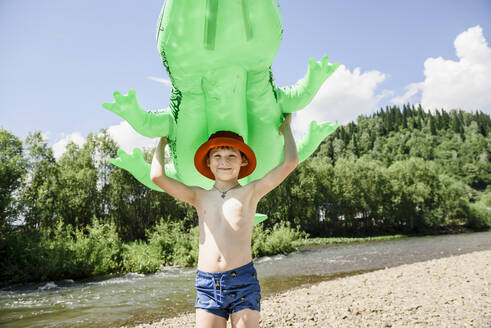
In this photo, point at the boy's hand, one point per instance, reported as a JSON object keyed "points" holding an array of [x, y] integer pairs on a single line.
{"points": [[286, 123]]}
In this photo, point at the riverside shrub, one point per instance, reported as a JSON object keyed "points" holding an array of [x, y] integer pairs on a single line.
{"points": [[172, 244], [98, 248], [140, 257], [479, 217], [278, 240], [60, 253]]}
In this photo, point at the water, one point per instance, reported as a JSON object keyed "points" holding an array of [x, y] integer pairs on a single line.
{"points": [[136, 298]]}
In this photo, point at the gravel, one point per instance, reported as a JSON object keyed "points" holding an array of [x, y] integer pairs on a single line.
{"points": [[447, 292]]}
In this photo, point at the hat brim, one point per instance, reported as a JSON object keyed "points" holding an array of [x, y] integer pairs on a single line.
{"points": [[202, 152]]}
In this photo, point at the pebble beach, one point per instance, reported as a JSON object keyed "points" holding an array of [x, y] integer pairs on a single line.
{"points": [[447, 292]]}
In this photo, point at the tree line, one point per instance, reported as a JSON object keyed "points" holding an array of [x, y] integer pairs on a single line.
{"points": [[400, 170]]}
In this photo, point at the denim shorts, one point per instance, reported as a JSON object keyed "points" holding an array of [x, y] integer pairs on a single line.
{"points": [[223, 293]]}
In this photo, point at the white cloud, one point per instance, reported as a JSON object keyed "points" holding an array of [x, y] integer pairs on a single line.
{"points": [[464, 84], [412, 90], [167, 82], [127, 138], [124, 135], [60, 146], [342, 98]]}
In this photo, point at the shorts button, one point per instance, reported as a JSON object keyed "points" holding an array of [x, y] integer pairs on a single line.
{"points": [[242, 298], [234, 274]]}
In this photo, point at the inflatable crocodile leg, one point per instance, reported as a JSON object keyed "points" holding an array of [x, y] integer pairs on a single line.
{"points": [[148, 124], [316, 134], [297, 97], [136, 165]]}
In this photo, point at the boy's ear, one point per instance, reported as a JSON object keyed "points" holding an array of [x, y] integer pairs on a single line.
{"points": [[245, 162], [208, 161]]}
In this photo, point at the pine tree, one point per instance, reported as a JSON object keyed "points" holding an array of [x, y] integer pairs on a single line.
{"points": [[432, 126]]}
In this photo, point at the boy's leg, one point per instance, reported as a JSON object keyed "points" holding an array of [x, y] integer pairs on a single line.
{"points": [[246, 318], [205, 319]]}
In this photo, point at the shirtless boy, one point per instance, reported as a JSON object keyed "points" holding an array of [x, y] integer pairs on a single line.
{"points": [[226, 280]]}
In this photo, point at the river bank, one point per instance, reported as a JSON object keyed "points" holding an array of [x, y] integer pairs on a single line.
{"points": [[449, 292]]}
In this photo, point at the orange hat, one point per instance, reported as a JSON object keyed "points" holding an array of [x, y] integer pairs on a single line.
{"points": [[224, 138]]}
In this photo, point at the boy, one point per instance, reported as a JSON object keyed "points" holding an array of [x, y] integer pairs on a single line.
{"points": [[226, 280]]}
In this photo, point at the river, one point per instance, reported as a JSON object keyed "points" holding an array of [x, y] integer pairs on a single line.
{"points": [[136, 298]]}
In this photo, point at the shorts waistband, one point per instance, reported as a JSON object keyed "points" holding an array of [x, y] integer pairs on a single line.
{"points": [[245, 268]]}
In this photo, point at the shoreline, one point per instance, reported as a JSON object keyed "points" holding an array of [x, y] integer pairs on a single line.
{"points": [[450, 292], [301, 243], [297, 244]]}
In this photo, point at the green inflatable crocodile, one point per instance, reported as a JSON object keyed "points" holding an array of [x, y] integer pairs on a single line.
{"points": [[218, 54]]}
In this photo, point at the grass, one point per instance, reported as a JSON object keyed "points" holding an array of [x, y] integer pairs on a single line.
{"points": [[341, 240]]}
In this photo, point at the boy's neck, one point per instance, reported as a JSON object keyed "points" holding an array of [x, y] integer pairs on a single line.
{"points": [[225, 184]]}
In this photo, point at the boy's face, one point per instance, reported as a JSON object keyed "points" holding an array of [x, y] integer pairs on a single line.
{"points": [[225, 163]]}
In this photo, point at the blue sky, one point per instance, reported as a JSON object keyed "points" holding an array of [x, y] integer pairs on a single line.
{"points": [[60, 60]]}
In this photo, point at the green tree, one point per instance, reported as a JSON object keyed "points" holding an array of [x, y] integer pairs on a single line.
{"points": [[416, 194], [375, 191], [135, 208], [77, 190], [432, 126], [39, 193], [455, 207], [101, 148], [421, 145], [12, 172]]}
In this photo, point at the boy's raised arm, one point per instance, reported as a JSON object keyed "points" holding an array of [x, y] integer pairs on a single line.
{"points": [[173, 187], [274, 177]]}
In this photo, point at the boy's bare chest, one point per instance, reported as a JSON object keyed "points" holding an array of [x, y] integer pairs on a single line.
{"points": [[225, 226], [232, 212]]}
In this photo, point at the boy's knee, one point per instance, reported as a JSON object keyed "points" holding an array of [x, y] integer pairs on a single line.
{"points": [[206, 319], [245, 318]]}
